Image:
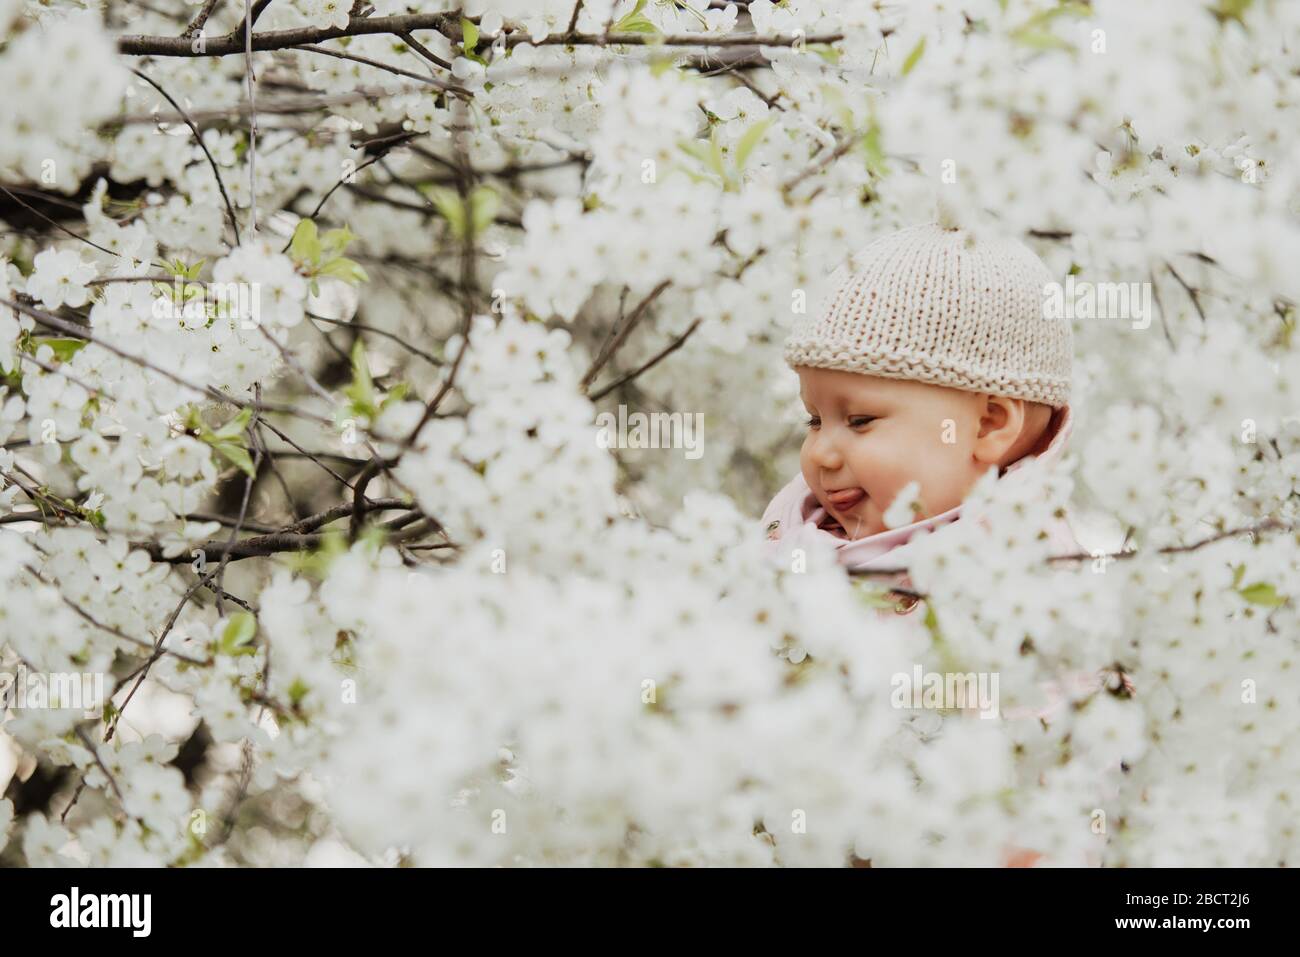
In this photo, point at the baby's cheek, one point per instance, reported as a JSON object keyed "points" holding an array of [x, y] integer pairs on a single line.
{"points": [[806, 465], [944, 475], [896, 459], [882, 466]]}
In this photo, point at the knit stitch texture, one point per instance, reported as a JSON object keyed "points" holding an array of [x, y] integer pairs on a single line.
{"points": [[937, 305]]}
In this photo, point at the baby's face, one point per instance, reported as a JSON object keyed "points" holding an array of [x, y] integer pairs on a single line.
{"points": [[868, 437]]}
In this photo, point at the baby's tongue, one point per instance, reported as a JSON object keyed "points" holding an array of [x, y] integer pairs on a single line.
{"points": [[845, 499]]}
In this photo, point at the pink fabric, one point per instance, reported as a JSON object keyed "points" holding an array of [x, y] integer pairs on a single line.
{"points": [[794, 516], [798, 516]]}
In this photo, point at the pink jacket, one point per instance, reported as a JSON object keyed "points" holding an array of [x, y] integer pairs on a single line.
{"points": [[795, 517]]}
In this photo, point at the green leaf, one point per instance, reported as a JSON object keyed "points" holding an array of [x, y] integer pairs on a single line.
{"points": [[1231, 10], [64, 348], [237, 455], [1262, 593], [717, 161], [335, 241], [317, 562], [346, 269], [825, 51], [684, 7], [932, 624], [635, 22], [709, 153], [836, 105], [470, 31], [305, 246], [396, 394], [483, 204], [947, 662], [914, 56], [362, 388], [177, 268], [753, 136], [875, 154], [1040, 40], [232, 431], [1068, 8], [297, 691], [696, 149], [238, 633], [1036, 33], [448, 204], [1237, 574]]}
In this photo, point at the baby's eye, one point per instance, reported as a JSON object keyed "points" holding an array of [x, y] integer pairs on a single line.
{"points": [[814, 422], [858, 421]]}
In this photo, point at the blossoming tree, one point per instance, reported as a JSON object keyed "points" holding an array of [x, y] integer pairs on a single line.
{"points": [[308, 309]]}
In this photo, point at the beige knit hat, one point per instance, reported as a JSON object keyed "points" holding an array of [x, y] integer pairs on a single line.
{"points": [[937, 305]]}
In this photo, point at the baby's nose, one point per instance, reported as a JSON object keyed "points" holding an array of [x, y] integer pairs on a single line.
{"points": [[826, 452]]}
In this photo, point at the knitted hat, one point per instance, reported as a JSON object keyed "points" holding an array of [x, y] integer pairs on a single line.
{"points": [[936, 305]]}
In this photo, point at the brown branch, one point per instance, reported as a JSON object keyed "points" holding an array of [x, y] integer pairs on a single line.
{"points": [[824, 160], [108, 629], [81, 332], [468, 284], [1267, 525], [200, 18], [259, 546], [449, 25], [198, 137], [243, 509], [397, 141], [424, 51], [314, 456], [663, 354], [1191, 293], [85, 739], [249, 20], [397, 70], [607, 353], [427, 357], [343, 509], [59, 226], [233, 42], [284, 108]]}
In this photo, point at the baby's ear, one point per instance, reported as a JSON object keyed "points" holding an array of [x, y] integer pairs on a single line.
{"points": [[1001, 429]]}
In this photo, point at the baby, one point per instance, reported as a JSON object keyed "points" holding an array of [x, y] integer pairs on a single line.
{"points": [[930, 363]]}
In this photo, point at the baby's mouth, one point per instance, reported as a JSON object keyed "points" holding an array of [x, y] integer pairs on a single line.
{"points": [[845, 499]]}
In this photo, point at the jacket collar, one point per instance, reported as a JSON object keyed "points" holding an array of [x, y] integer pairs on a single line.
{"points": [[872, 551]]}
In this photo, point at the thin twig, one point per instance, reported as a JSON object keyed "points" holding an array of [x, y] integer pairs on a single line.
{"points": [[251, 82], [612, 347], [230, 209], [650, 364], [200, 18]]}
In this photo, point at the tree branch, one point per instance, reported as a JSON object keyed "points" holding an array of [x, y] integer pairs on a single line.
{"points": [[446, 23]]}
